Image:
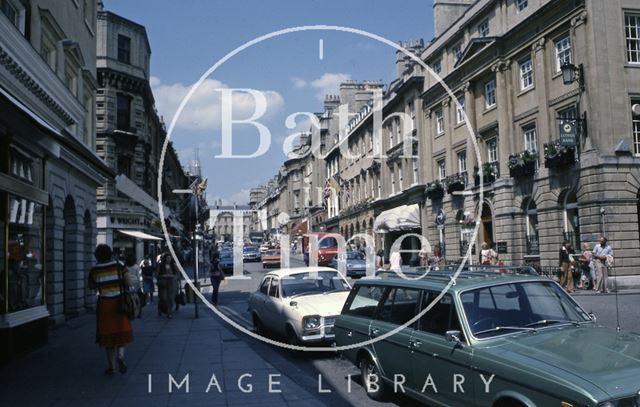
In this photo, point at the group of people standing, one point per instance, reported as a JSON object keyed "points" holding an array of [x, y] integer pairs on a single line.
{"points": [[591, 266]]}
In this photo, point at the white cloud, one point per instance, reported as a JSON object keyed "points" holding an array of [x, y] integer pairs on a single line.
{"points": [[299, 83], [154, 81], [329, 84], [203, 110]]}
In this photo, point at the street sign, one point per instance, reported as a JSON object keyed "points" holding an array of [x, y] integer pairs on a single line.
{"points": [[440, 217], [568, 133]]}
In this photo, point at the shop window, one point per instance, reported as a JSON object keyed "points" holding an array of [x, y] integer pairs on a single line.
{"points": [[25, 271], [531, 212]]}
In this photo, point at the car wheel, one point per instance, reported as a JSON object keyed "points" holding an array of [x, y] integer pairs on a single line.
{"points": [[375, 389]]}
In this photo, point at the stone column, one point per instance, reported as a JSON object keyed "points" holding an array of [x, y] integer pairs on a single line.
{"points": [[547, 122], [55, 266], [470, 110], [503, 89]]}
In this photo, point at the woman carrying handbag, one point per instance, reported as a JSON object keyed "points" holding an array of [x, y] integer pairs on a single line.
{"points": [[113, 328]]}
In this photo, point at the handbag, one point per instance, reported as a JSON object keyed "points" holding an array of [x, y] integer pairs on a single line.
{"points": [[129, 301], [181, 298]]}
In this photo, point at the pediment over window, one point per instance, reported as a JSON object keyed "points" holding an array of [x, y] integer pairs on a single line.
{"points": [[475, 45]]}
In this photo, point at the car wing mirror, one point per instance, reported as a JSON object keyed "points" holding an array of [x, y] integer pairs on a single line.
{"points": [[454, 337], [593, 317]]}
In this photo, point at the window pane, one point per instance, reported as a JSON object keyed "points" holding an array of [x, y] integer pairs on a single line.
{"points": [[124, 49], [365, 301], [25, 261], [563, 51], [632, 34], [438, 319], [399, 306]]}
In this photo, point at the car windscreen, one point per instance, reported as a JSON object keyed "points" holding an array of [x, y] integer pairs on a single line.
{"points": [[515, 307], [355, 256], [304, 284], [327, 242]]}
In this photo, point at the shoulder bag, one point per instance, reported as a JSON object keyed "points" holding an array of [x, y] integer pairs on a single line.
{"points": [[129, 301]]}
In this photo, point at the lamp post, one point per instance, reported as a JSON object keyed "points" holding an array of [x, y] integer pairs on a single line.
{"points": [[195, 239], [571, 74]]}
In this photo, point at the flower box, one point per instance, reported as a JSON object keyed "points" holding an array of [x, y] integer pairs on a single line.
{"points": [[434, 190]]}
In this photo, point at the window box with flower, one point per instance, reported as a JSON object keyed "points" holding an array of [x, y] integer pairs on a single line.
{"points": [[456, 183], [522, 164], [434, 190], [556, 155], [489, 173]]}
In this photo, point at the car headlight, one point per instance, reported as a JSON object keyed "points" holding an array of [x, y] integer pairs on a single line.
{"points": [[311, 322]]}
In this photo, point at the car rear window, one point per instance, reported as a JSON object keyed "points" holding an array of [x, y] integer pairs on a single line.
{"points": [[363, 301]]}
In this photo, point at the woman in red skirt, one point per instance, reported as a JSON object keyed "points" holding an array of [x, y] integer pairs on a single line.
{"points": [[113, 329]]}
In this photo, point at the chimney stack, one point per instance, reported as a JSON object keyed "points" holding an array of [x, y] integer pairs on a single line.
{"points": [[446, 12]]}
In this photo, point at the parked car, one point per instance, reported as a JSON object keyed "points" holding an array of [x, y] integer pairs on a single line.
{"points": [[250, 253], [506, 339], [302, 309], [226, 260], [264, 248], [353, 262], [271, 258]]}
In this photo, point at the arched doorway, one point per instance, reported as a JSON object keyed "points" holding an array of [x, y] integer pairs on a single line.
{"points": [[486, 219], [69, 237], [89, 298], [572, 220], [531, 227]]}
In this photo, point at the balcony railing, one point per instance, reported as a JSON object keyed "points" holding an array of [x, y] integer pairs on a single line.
{"points": [[456, 182]]}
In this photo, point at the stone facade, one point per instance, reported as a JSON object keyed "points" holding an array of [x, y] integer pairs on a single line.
{"points": [[49, 171], [510, 84], [130, 137]]}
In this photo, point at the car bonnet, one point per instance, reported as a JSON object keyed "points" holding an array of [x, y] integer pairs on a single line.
{"points": [[605, 358]]}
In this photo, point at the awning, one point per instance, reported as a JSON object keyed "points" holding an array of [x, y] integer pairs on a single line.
{"points": [[405, 217], [133, 191], [139, 235]]}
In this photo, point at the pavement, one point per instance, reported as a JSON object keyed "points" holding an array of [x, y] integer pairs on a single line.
{"points": [[69, 371]]}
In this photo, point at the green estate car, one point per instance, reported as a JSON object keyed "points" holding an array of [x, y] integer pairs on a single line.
{"points": [[491, 339]]}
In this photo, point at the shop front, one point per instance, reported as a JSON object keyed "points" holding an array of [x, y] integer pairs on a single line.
{"points": [[23, 310]]}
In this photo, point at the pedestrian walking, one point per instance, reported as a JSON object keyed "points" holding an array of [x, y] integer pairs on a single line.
{"points": [[216, 276], [113, 328], [424, 258], [600, 253], [585, 260], [167, 277], [147, 270], [395, 261], [565, 261], [488, 256], [380, 260]]}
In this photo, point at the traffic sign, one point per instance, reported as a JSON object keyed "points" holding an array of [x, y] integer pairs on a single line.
{"points": [[440, 217]]}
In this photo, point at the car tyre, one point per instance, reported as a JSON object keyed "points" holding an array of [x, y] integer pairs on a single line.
{"points": [[367, 368]]}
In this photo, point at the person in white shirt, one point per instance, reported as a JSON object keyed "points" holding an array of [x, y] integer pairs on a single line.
{"points": [[600, 253], [395, 261]]}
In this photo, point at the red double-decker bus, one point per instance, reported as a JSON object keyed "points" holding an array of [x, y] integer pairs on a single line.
{"points": [[327, 248]]}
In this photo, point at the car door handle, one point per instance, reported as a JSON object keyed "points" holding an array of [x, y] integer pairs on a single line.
{"points": [[415, 344], [374, 332], [350, 333]]}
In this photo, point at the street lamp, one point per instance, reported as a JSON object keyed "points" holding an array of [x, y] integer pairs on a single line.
{"points": [[572, 73], [195, 235]]}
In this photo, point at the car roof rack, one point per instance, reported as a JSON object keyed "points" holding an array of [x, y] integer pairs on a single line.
{"points": [[468, 271]]}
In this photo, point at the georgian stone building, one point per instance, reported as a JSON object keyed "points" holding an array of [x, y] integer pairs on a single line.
{"points": [[49, 170], [502, 59], [130, 136]]}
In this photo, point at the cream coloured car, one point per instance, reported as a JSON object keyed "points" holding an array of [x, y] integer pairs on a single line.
{"points": [[299, 304]]}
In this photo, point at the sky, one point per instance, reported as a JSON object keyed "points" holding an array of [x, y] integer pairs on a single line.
{"points": [[291, 72]]}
